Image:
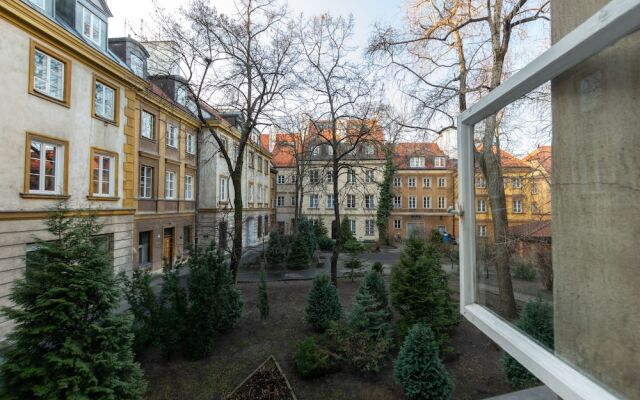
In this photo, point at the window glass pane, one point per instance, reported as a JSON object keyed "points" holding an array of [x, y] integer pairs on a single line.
{"points": [[40, 71]]}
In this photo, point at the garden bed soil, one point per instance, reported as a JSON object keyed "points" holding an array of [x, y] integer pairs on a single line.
{"points": [[267, 382], [474, 366]]}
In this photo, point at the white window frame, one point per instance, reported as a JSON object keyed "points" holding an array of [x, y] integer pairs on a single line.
{"points": [[481, 182], [416, 162], [517, 206], [314, 200], [330, 177], [482, 230], [351, 177], [101, 107], [351, 201], [280, 201], [516, 183], [58, 174], [314, 176], [93, 19], [172, 135], [482, 206], [139, 63], [330, 203], [442, 202], [426, 202], [369, 227], [397, 223], [369, 201], [397, 181], [352, 225], [188, 187], [442, 182], [397, 201], [440, 162], [191, 144], [614, 21], [47, 90], [369, 149], [369, 176], [411, 182], [426, 182], [251, 188], [315, 151], [146, 182], [170, 185], [281, 179], [224, 189], [294, 201], [412, 202], [97, 191], [38, 3], [143, 126]]}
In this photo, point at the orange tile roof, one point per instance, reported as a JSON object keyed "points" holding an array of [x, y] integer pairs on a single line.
{"points": [[541, 156], [402, 152], [508, 160], [532, 229]]}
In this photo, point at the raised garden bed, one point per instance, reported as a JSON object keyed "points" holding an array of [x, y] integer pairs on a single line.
{"points": [[267, 382]]}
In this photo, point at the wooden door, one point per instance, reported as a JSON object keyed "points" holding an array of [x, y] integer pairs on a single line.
{"points": [[167, 245]]}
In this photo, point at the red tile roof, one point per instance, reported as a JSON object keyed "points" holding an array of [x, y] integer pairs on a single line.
{"points": [[402, 152], [264, 140], [541, 156], [533, 229]]}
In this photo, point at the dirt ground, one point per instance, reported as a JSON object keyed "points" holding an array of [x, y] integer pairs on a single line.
{"points": [[474, 367]]}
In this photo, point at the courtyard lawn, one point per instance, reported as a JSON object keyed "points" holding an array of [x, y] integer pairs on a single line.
{"points": [[474, 367]]}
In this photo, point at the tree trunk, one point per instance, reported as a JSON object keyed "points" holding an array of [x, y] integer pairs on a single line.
{"points": [[236, 249], [336, 214]]}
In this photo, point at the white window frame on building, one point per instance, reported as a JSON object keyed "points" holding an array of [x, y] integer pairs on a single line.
{"points": [[481, 182], [330, 200], [281, 179], [517, 206], [426, 202], [191, 144], [442, 182], [223, 189], [280, 201], [516, 183], [426, 182], [351, 201], [397, 201], [369, 176], [314, 200], [147, 125], [50, 69], [482, 206], [352, 225], [411, 182], [351, 176], [170, 185], [442, 202], [98, 175], [416, 162], [146, 182], [369, 149], [329, 176], [104, 103], [440, 162], [188, 187], [137, 65], [369, 227], [369, 201], [294, 201], [314, 176], [251, 190], [614, 21], [482, 230], [57, 179], [397, 223], [397, 181], [315, 151], [412, 202], [92, 26], [172, 135]]}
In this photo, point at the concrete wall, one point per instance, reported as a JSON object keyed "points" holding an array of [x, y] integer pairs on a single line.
{"points": [[596, 218]]}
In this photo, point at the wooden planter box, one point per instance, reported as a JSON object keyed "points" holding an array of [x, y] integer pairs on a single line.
{"points": [[267, 382]]}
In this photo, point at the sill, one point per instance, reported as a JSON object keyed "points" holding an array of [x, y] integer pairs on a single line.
{"points": [[152, 140], [44, 196], [63, 103], [106, 120], [102, 198], [172, 147]]}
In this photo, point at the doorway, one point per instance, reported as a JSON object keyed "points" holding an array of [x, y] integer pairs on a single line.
{"points": [[167, 244]]}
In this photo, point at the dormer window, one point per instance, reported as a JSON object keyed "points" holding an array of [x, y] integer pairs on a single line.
{"points": [[92, 26], [416, 162], [181, 96], [137, 65], [440, 162], [369, 149], [316, 151]]}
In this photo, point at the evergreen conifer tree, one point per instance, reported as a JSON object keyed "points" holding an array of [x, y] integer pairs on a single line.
{"points": [[143, 304], [374, 283], [323, 304], [276, 250], [307, 230], [263, 299], [420, 291], [68, 342], [367, 317], [418, 369], [299, 255], [173, 310]]}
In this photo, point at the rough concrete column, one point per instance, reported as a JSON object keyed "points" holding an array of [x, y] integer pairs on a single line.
{"points": [[596, 207]]}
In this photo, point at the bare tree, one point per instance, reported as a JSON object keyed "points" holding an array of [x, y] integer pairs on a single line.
{"points": [[452, 52], [343, 101], [240, 62]]}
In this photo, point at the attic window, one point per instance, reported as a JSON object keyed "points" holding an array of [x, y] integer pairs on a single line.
{"points": [[38, 3], [137, 65], [92, 26], [440, 162], [416, 162]]}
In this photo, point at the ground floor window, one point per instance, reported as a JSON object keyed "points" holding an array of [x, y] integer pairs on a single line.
{"points": [[187, 238], [144, 248], [396, 223], [369, 227]]}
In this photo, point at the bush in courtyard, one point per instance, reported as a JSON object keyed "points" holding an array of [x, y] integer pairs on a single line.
{"points": [[276, 250], [345, 231], [68, 341], [377, 267], [214, 302], [418, 369], [263, 299], [537, 322], [323, 304], [325, 243], [310, 359], [374, 283], [320, 230], [420, 291], [307, 231], [143, 304], [524, 271], [172, 310], [299, 257]]}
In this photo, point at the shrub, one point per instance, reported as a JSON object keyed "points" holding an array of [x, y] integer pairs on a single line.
{"points": [[374, 283], [536, 321], [418, 369], [325, 243], [299, 257], [307, 231], [345, 231], [367, 316], [263, 299], [377, 267], [420, 291], [214, 303], [320, 230], [173, 309], [310, 360], [323, 304], [143, 304], [352, 246], [362, 353], [276, 250], [524, 271], [68, 342]]}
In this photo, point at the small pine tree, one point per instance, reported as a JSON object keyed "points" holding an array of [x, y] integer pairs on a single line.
{"points": [[307, 230], [214, 303], [143, 304], [323, 304], [345, 230], [173, 310], [299, 255], [276, 250], [68, 342], [420, 291], [263, 299], [374, 283], [320, 230], [418, 369], [367, 317], [537, 322]]}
